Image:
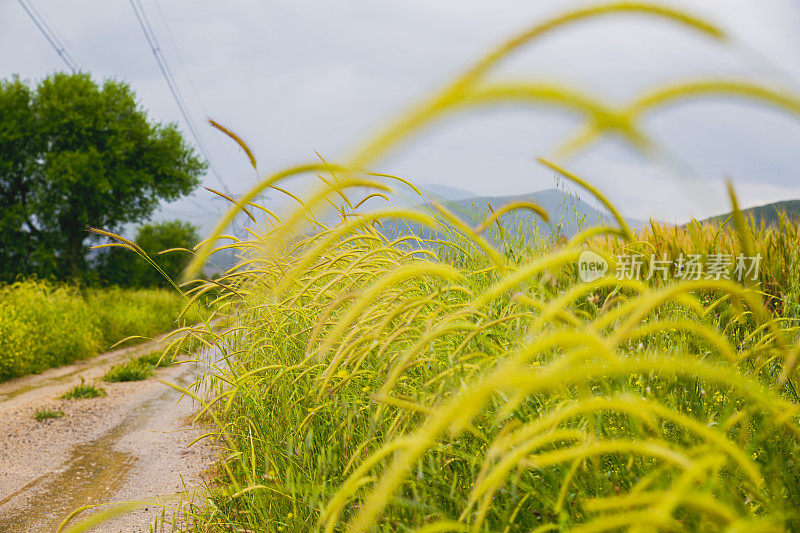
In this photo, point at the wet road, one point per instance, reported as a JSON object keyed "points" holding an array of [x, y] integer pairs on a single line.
{"points": [[130, 445]]}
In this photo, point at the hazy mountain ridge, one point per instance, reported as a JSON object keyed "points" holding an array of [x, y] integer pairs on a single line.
{"points": [[568, 212], [766, 214]]}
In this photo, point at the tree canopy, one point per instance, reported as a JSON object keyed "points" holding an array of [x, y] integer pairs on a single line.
{"points": [[168, 243], [75, 154]]}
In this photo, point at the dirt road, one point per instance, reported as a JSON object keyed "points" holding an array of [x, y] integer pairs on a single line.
{"points": [[129, 445]]}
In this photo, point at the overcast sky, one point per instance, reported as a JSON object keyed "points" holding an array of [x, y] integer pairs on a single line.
{"points": [[295, 76]]}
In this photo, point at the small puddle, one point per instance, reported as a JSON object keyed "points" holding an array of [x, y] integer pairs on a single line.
{"points": [[94, 472], [92, 475]]}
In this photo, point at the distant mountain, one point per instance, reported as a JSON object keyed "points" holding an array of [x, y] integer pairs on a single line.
{"points": [[768, 214], [568, 212]]}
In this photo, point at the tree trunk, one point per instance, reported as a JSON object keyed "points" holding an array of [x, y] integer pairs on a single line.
{"points": [[73, 258]]}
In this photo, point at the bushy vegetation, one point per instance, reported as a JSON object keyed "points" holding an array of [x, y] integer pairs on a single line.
{"points": [[168, 243], [43, 325]]}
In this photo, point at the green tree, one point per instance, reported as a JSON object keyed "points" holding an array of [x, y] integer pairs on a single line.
{"points": [[77, 154], [122, 267], [23, 248]]}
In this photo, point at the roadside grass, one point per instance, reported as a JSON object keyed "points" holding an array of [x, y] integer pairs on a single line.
{"points": [[44, 414], [467, 380], [377, 388], [132, 370], [139, 368], [83, 391], [157, 359]]}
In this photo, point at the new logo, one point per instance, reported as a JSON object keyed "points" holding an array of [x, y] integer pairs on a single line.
{"points": [[591, 266]]}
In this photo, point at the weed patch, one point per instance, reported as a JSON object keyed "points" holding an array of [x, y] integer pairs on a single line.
{"points": [[83, 391], [44, 414]]}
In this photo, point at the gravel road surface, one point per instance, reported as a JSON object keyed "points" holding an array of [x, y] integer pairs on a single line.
{"points": [[130, 445]]}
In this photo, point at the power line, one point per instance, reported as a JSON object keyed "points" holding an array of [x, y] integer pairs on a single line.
{"points": [[152, 41], [150, 36], [49, 34], [179, 56], [58, 45]]}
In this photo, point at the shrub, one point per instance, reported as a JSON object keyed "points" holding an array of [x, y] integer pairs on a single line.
{"points": [[45, 325]]}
